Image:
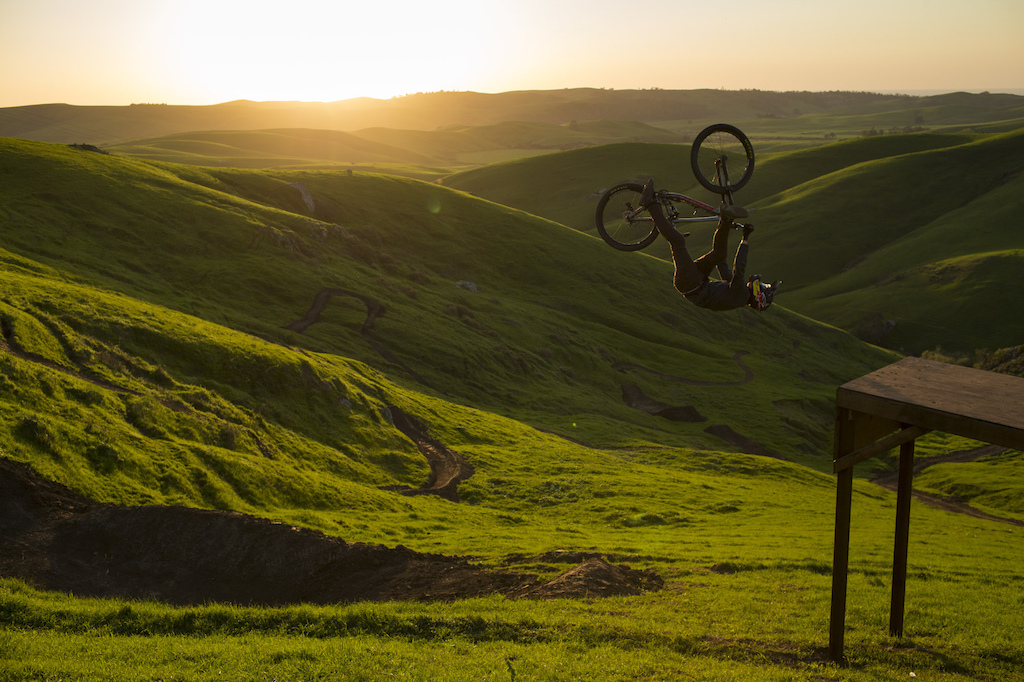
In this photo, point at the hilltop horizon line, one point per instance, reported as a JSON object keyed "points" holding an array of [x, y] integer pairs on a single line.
{"points": [[912, 92]]}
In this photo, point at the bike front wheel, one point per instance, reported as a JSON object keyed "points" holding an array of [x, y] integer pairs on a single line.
{"points": [[622, 220], [722, 158]]}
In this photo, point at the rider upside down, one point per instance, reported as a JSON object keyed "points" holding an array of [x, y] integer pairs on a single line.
{"points": [[693, 276]]}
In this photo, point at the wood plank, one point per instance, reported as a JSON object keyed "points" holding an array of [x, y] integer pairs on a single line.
{"points": [[865, 453], [959, 400], [864, 429]]}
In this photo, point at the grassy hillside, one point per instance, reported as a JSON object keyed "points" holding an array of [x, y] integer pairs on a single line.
{"points": [[919, 227], [565, 187], [935, 253], [151, 354], [263, 148], [427, 154], [554, 313]]}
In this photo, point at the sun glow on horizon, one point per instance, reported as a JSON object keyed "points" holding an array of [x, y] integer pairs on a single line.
{"points": [[117, 52], [328, 51]]}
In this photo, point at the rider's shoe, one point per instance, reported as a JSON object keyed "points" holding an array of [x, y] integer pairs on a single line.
{"points": [[731, 213], [647, 198]]}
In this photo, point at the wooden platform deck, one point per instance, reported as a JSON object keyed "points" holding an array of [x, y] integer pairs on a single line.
{"points": [[890, 408], [933, 395]]}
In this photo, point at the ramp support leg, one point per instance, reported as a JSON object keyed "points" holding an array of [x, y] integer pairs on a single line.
{"points": [[899, 557], [840, 563]]}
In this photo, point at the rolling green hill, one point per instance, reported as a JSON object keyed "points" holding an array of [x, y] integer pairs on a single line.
{"points": [[924, 239], [553, 314], [263, 148], [907, 217], [566, 186], [162, 344], [428, 154]]}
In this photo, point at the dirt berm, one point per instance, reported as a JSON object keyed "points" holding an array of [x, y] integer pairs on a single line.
{"points": [[55, 539]]}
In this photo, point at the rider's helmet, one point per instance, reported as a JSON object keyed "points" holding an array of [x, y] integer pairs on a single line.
{"points": [[761, 294]]}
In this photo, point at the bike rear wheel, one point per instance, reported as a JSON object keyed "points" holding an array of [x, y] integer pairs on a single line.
{"points": [[719, 148], [622, 221]]}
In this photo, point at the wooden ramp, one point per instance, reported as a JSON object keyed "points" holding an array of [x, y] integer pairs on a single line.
{"points": [[891, 408]]}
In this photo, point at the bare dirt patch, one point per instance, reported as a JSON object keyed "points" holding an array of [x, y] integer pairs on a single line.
{"points": [[596, 577], [634, 397], [751, 447], [55, 539]]}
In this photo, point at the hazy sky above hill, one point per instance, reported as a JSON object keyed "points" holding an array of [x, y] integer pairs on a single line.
{"points": [[209, 51]]}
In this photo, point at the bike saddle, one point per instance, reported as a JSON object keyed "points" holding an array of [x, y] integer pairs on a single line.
{"points": [[731, 212]]}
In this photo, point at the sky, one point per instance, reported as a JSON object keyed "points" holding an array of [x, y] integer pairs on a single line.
{"points": [[118, 52]]}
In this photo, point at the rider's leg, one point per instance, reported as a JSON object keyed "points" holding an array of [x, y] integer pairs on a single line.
{"points": [[688, 278], [739, 264], [719, 251], [724, 272]]}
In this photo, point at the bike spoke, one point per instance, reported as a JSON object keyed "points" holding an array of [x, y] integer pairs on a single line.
{"points": [[623, 221], [722, 158]]}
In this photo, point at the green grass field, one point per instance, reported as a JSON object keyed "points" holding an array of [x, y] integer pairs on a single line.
{"points": [[146, 360]]}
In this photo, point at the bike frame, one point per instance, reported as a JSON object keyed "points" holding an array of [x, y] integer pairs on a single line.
{"points": [[669, 199], [622, 216]]}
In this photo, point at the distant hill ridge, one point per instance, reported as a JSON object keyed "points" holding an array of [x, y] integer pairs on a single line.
{"points": [[103, 125]]}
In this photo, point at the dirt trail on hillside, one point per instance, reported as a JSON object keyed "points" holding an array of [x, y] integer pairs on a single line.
{"points": [[889, 482], [374, 309], [55, 539], [447, 468]]}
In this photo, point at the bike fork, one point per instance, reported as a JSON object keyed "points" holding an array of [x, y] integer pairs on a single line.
{"points": [[722, 172]]}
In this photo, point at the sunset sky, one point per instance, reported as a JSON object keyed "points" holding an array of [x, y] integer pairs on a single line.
{"points": [[208, 51]]}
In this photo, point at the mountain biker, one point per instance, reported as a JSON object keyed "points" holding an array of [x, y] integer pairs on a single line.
{"points": [[692, 277]]}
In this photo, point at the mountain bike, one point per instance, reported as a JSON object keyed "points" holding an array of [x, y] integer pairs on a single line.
{"points": [[722, 160]]}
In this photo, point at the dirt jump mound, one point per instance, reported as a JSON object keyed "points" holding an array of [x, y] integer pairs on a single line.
{"points": [[596, 577], [55, 539]]}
